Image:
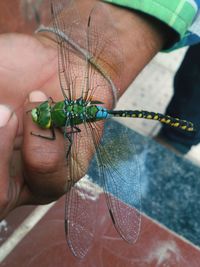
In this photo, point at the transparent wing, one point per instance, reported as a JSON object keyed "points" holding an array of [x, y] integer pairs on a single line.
{"points": [[119, 174], [81, 202], [105, 51], [71, 39]]}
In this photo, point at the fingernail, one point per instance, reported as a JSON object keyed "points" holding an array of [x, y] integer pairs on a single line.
{"points": [[37, 96], [5, 114]]}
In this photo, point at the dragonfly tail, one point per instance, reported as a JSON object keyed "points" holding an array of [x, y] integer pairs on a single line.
{"points": [[166, 119]]}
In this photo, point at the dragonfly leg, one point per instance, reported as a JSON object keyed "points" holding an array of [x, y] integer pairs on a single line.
{"points": [[52, 137], [74, 129], [68, 136]]}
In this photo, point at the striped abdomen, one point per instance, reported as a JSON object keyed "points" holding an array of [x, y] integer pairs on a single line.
{"points": [[173, 122]]}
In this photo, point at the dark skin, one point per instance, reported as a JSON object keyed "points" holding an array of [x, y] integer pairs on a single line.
{"points": [[38, 172]]}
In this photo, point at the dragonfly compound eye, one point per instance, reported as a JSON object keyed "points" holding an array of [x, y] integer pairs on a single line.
{"points": [[34, 115]]}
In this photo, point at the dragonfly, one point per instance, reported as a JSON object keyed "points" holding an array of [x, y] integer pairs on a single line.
{"points": [[86, 44]]}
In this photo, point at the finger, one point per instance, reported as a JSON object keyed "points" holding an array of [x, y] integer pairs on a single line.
{"points": [[45, 167], [8, 131]]}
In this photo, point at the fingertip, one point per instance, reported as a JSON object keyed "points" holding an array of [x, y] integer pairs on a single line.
{"points": [[33, 97], [37, 96]]}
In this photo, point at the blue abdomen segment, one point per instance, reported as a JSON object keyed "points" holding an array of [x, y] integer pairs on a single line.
{"points": [[102, 113]]}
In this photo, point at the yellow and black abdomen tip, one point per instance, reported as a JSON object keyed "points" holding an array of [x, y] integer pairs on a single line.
{"points": [[166, 119]]}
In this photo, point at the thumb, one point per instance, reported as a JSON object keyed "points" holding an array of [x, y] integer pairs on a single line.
{"points": [[8, 131]]}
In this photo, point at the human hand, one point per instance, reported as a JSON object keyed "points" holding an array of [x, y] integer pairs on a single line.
{"points": [[33, 177]]}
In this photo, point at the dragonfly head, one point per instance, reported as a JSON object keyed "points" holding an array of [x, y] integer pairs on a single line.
{"points": [[41, 115]]}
